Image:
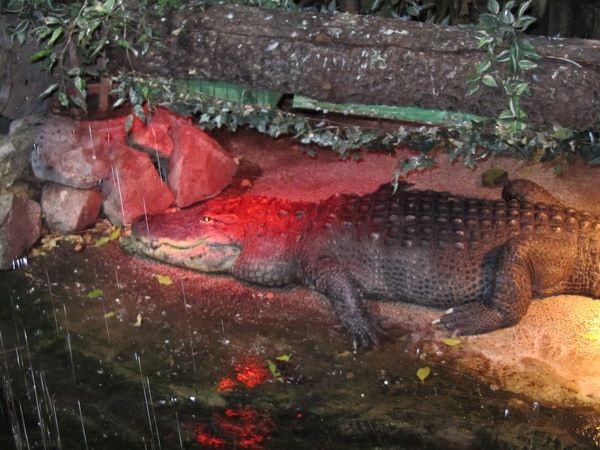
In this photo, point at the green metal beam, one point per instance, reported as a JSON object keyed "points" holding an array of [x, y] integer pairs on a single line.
{"points": [[403, 113]]}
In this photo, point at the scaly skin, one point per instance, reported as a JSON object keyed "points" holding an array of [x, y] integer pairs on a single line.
{"points": [[484, 260]]}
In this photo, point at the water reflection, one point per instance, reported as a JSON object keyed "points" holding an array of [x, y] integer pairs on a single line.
{"points": [[214, 363]]}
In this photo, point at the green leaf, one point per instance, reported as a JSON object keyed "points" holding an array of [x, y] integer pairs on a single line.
{"points": [[80, 84], [513, 104], [63, 99], [102, 241], [521, 88], [124, 43], [472, 88], [525, 64], [493, 6], [526, 46], [506, 115], [450, 341], [138, 110], [79, 102], [284, 357], [164, 280], [51, 20], [482, 66], [129, 123], [42, 32], [523, 7], [507, 17], [108, 6], [564, 134], [118, 103], [503, 56], [423, 373], [524, 22], [489, 80], [273, 368], [40, 54], [96, 293], [115, 234], [57, 33], [514, 62], [48, 91]]}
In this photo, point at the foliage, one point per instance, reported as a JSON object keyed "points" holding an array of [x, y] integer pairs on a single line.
{"points": [[500, 33], [469, 143], [74, 35]]}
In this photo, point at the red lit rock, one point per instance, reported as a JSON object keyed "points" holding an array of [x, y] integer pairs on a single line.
{"points": [[20, 226], [155, 136], [199, 167], [102, 134], [61, 156], [133, 186], [67, 209]]}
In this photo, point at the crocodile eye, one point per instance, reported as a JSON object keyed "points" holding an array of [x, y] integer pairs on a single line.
{"points": [[206, 219]]}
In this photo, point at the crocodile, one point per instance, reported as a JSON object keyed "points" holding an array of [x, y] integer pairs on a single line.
{"points": [[482, 260]]}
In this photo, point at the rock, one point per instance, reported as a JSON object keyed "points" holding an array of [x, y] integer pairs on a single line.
{"points": [[20, 227], [67, 209], [102, 134], [199, 167], [155, 136], [133, 187], [15, 150], [61, 155]]}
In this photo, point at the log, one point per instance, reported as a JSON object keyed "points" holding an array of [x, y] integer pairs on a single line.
{"points": [[365, 59], [21, 81]]}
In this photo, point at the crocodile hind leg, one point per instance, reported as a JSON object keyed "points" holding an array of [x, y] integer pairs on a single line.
{"points": [[509, 301], [528, 191], [347, 302]]}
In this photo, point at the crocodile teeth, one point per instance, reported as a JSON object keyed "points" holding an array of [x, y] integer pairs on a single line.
{"points": [[449, 311], [436, 321]]}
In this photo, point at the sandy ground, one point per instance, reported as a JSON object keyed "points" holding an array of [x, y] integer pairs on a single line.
{"points": [[553, 354]]}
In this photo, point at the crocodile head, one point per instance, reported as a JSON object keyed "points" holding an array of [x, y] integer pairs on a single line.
{"points": [[207, 238]]}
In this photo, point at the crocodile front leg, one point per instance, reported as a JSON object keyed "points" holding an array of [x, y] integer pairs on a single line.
{"points": [[347, 301], [511, 296]]}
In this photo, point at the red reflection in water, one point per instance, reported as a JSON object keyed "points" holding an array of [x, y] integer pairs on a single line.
{"points": [[226, 384], [249, 372], [245, 428]]}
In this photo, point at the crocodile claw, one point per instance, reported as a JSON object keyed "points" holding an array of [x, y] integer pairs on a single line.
{"points": [[471, 318], [366, 333]]}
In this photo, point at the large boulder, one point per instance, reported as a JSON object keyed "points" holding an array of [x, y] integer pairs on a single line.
{"points": [[20, 227], [61, 155], [133, 187], [154, 136], [67, 209], [102, 134], [199, 167]]}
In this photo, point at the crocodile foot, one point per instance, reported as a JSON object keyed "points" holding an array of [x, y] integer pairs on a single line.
{"points": [[472, 318], [366, 332]]}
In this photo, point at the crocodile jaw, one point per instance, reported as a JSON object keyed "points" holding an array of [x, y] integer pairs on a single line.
{"points": [[204, 255]]}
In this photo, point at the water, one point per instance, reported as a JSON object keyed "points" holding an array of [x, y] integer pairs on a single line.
{"points": [[98, 354]]}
